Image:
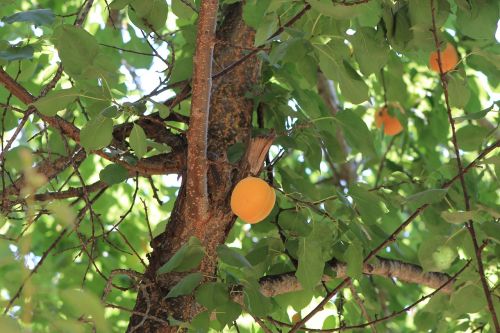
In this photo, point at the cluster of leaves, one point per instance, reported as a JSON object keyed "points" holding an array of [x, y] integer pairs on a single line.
{"points": [[375, 52]]}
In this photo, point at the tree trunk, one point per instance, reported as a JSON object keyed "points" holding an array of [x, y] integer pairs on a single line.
{"points": [[230, 122]]}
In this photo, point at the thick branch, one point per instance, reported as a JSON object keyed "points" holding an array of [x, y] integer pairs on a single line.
{"points": [[197, 164], [274, 285]]}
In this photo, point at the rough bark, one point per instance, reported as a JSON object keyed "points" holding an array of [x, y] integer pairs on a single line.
{"points": [[229, 122], [197, 164]]}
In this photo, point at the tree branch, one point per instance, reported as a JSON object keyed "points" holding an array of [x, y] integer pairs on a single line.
{"points": [[470, 223], [197, 164], [391, 238], [274, 285], [71, 192], [444, 285], [149, 166]]}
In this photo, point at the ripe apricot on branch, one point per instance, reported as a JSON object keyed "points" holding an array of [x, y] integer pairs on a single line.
{"points": [[252, 199], [449, 59], [391, 124]]}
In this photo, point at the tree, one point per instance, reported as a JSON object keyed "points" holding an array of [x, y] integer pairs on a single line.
{"points": [[374, 121]]}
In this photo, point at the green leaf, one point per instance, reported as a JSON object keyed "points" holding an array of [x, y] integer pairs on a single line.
{"points": [[357, 133], [163, 110], [255, 302], [137, 141], [468, 299], [295, 222], [352, 86], [471, 137], [426, 197], [235, 152], [333, 64], [266, 28], [458, 90], [17, 53], [370, 206], [113, 174], [76, 47], [480, 21], [311, 263], [97, 133], [200, 323], [254, 11], [148, 15], [186, 285], [458, 217], [119, 4], [370, 50], [338, 11], [183, 69], [354, 258], [474, 115], [159, 147], [111, 112], [181, 10], [212, 295], [492, 230], [435, 255], [425, 321], [85, 303], [187, 257], [228, 313], [56, 101], [37, 17], [232, 257]]}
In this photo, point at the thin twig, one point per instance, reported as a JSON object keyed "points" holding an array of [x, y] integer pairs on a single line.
{"points": [[470, 223]]}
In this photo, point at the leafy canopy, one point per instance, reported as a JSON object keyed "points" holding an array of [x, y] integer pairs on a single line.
{"points": [[342, 186]]}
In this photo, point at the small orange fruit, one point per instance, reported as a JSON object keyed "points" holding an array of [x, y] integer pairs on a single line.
{"points": [[391, 124], [449, 59], [252, 200]]}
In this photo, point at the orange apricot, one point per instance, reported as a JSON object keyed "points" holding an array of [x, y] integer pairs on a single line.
{"points": [[391, 124], [252, 200], [449, 59]]}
